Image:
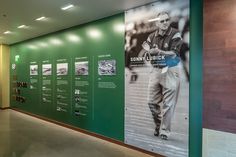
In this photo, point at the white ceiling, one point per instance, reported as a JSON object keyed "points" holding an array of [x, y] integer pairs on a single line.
{"points": [[14, 13]]}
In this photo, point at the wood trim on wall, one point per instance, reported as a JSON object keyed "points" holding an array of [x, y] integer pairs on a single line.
{"points": [[4, 108]]}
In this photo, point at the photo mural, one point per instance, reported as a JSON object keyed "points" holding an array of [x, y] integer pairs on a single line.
{"points": [[134, 89], [157, 77]]}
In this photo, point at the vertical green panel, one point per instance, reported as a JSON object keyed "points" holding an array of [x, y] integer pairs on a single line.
{"points": [[196, 40], [104, 113]]}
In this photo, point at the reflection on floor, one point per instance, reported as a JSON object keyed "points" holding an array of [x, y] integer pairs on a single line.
{"points": [[25, 136]]}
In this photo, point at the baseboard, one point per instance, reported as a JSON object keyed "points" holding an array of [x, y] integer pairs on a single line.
{"points": [[89, 133], [4, 108]]}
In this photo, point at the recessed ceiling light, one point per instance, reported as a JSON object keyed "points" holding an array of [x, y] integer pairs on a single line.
{"points": [[7, 32], [40, 18], [22, 26], [67, 7]]}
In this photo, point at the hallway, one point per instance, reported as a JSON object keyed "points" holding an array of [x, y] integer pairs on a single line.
{"points": [[25, 136]]}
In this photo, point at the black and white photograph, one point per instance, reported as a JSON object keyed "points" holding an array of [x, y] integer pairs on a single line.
{"points": [[62, 69], [157, 77], [77, 91], [47, 69], [107, 67], [33, 69], [81, 68], [77, 95]]}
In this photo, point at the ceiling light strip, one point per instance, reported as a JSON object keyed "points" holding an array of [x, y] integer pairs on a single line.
{"points": [[40, 18], [7, 32], [21, 26], [67, 7]]}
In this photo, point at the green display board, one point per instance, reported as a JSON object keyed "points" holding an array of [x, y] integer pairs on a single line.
{"points": [[74, 76]]}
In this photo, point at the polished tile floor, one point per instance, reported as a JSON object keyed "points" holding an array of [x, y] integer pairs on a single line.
{"points": [[25, 136]]}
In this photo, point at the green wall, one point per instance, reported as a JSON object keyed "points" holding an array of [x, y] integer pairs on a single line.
{"points": [[101, 106], [105, 113]]}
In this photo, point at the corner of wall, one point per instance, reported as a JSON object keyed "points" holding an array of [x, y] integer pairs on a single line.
{"points": [[4, 76], [0, 75]]}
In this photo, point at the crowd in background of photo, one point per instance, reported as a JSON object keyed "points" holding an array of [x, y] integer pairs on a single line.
{"points": [[139, 25]]}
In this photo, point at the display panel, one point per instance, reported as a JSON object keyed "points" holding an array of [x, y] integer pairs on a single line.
{"points": [[157, 77], [62, 77]]}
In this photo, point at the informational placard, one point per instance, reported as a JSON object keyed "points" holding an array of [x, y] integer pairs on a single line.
{"points": [[46, 90], [34, 82], [106, 72], [81, 91], [156, 82], [47, 83], [62, 83], [79, 83]]}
